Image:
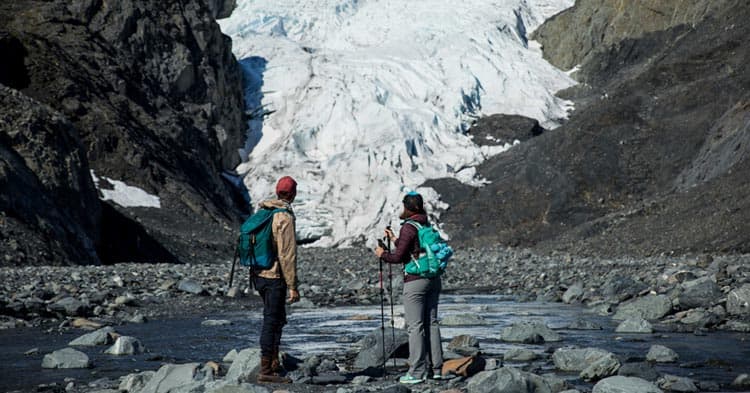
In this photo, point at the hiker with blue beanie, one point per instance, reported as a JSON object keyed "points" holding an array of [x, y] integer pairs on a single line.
{"points": [[421, 294]]}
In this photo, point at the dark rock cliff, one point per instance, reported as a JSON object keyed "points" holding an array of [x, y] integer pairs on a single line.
{"points": [[653, 160], [154, 95]]}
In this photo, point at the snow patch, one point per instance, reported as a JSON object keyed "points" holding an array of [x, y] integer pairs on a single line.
{"points": [[362, 100], [125, 195]]}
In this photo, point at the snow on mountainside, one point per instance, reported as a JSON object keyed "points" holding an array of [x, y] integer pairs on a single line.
{"points": [[367, 99]]}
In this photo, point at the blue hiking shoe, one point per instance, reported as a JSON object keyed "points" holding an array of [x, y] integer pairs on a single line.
{"points": [[408, 379]]}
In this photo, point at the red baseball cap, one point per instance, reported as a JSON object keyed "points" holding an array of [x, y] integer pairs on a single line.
{"points": [[286, 184]]}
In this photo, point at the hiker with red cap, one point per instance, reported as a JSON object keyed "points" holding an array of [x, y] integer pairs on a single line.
{"points": [[273, 283], [421, 294]]}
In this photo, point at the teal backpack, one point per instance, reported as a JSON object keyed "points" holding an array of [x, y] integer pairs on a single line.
{"points": [[437, 252], [255, 245]]}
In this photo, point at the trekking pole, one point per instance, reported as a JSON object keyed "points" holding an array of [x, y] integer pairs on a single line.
{"points": [[234, 262], [382, 314], [390, 290]]}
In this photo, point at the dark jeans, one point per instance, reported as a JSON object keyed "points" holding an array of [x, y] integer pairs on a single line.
{"points": [[273, 292]]}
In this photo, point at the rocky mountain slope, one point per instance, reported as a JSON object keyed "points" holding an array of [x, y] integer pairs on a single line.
{"points": [[139, 91], [655, 157]]}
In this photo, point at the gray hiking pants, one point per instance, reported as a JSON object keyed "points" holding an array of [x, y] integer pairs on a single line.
{"points": [[420, 308]]}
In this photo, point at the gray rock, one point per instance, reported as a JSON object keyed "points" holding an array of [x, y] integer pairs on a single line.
{"points": [[661, 354], [738, 301], [230, 356], [463, 341], [603, 367], [135, 382], [66, 358], [674, 383], [702, 292], [555, 383], [244, 366], [371, 348], [583, 324], [742, 381], [361, 380], [125, 345], [574, 293], [642, 370], [69, 306], [635, 325], [462, 320], [620, 384], [577, 359], [523, 331], [102, 336], [519, 355], [650, 307], [507, 380], [169, 378], [225, 387], [190, 286], [216, 322], [621, 288]]}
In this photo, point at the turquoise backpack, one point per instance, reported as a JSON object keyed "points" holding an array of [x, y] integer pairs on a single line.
{"points": [[255, 245], [437, 252]]}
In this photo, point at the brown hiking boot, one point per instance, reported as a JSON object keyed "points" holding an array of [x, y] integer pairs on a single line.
{"points": [[266, 374], [275, 362]]}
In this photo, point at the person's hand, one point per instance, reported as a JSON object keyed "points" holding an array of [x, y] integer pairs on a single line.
{"points": [[293, 296], [379, 251], [390, 235]]}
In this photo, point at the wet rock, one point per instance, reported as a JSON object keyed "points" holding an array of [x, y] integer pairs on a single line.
{"points": [[708, 386], [641, 370], [125, 345], [102, 336], [674, 383], [702, 292], [371, 348], [524, 331], [136, 382], [190, 286], [230, 356], [171, 377], [602, 367], [738, 301], [661, 354], [506, 379], [244, 366], [738, 326], [464, 345], [584, 324], [577, 359], [574, 293], [650, 307], [621, 288], [361, 380], [519, 355], [635, 325], [462, 320], [225, 387], [66, 358], [699, 318], [620, 384]]}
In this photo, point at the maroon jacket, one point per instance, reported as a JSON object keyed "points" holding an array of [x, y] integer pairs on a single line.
{"points": [[407, 245]]}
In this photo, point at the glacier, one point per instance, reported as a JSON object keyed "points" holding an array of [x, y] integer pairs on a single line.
{"points": [[363, 100]]}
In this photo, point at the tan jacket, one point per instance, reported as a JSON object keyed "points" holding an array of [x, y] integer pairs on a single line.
{"points": [[285, 240]]}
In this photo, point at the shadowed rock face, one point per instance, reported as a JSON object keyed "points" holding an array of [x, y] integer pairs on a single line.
{"points": [[654, 159], [154, 94]]}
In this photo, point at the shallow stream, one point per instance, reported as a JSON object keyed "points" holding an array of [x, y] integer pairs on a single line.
{"points": [[717, 356]]}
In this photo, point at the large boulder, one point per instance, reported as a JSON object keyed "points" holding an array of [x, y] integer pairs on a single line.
{"points": [[602, 367], [661, 354], [126, 345], [69, 306], [371, 348], [101, 336], [66, 358], [578, 359], [650, 307], [702, 292], [244, 366], [507, 380], [635, 325], [738, 301], [171, 377], [620, 384], [527, 330]]}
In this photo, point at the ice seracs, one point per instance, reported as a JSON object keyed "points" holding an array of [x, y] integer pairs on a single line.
{"points": [[362, 100]]}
